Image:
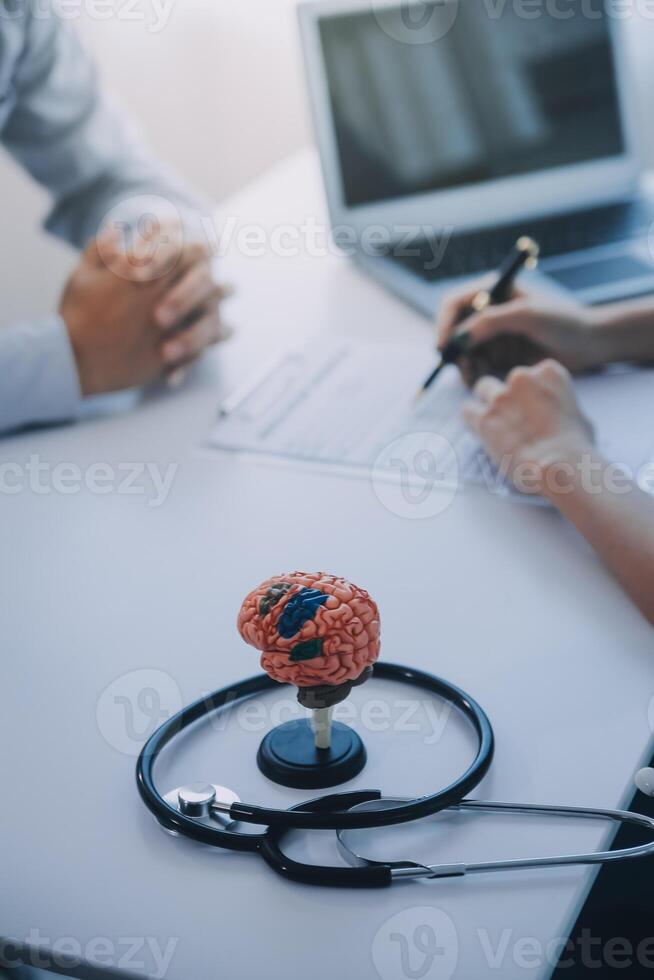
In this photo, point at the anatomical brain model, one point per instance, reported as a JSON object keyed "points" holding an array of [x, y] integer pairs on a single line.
{"points": [[316, 631]]}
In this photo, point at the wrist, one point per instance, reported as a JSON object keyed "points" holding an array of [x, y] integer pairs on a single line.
{"points": [[598, 337], [84, 368], [623, 332], [562, 461]]}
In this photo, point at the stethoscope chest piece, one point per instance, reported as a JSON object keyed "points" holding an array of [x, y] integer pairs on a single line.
{"points": [[207, 803]]}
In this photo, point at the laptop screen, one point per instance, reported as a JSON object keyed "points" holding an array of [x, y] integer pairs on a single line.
{"points": [[431, 96]]}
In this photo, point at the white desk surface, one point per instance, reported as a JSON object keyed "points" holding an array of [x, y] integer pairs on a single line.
{"points": [[501, 598]]}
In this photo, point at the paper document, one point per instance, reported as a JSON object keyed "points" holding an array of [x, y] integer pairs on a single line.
{"points": [[353, 406]]}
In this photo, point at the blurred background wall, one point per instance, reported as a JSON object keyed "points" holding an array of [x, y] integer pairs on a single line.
{"points": [[217, 86]]}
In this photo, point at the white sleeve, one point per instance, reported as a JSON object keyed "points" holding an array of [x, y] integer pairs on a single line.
{"points": [[39, 382]]}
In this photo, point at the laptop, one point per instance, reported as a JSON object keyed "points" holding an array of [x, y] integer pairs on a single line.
{"points": [[448, 129]]}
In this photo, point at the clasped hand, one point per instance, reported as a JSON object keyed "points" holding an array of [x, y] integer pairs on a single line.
{"points": [[133, 318]]}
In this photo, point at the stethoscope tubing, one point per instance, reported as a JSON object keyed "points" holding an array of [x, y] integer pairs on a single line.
{"points": [[347, 811], [302, 819], [305, 817], [168, 817], [367, 876], [414, 870]]}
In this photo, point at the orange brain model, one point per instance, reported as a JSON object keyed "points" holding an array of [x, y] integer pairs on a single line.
{"points": [[312, 629]]}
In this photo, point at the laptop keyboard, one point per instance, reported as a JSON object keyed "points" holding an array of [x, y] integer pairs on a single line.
{"points": [[476, 252]]}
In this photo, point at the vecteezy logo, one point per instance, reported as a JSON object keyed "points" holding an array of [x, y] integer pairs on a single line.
{"points": [[416, 21], [142, 238], [416, 944], [133, 706], [416, 476]]}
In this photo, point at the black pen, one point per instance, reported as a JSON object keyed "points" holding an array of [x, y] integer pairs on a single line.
{"points": [[523, 256]]}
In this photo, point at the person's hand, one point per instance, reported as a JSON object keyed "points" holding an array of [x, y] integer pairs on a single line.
{"points": [[189, 311], [528, 329], [530, 423], [109, 307]]}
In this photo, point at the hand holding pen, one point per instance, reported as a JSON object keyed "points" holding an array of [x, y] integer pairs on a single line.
{"points": [[461, 347]]}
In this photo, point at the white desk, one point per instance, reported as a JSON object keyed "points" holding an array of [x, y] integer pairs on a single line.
{"points": [[503, 599]]}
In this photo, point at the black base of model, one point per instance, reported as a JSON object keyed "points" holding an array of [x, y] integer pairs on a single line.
{"points": [[288, 756]]}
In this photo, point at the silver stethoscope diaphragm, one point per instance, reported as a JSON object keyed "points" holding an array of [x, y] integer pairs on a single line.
{"points": [[205, 802], [356, 846]]}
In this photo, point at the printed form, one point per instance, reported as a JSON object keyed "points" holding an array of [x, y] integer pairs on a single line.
{"points": [[353, 406]]}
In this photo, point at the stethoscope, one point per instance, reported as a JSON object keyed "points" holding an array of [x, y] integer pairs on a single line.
{"points": [[208, 814]]}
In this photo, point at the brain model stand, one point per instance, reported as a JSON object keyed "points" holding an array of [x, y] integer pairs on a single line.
{"points": [[321, 634]]}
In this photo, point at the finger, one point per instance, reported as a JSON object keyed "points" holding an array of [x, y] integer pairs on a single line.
{"points": [[554, 371], [189, 344], [176, 377], [168, 257], [473, 414], [468, 372], [456, 307], [193, 291], [217, 295], [226, 290], [192, 254], [487, 389], [449, 314], [508, 318], [165, 257]]}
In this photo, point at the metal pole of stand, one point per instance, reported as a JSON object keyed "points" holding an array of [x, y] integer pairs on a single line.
{"points": [[322, 727]]}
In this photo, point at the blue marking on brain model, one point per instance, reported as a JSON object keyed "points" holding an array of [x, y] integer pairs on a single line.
{"points": [[300, 608]]}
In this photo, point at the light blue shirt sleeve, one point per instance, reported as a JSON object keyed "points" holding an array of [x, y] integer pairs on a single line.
{"points": [[39, 376], [57, 122]]}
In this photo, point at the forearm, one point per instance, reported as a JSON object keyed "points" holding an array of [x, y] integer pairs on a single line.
{"points": [[38, 376], [615, 516], [72, 138], [624, 332], [126, 187]]}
